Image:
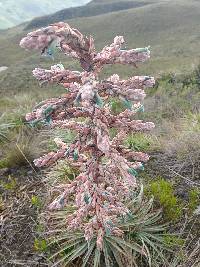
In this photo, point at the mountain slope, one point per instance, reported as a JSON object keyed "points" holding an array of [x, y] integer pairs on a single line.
{"points": [[171, 28], [84, 11], [13, 12]]}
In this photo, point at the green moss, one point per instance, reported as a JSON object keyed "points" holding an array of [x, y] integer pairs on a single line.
{"points": [[174, 241], [40, 245], [194, 198], [36, 201], [163, 193], [11, 184], [4, 163]]}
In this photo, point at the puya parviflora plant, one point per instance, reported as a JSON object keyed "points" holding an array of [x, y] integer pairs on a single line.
{"points": [[97, 199]]}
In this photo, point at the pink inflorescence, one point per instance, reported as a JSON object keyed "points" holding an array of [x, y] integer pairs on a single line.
{"points": [[107, 168]]}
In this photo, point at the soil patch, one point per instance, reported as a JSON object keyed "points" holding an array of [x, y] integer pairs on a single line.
{"points": [[19, 218]]}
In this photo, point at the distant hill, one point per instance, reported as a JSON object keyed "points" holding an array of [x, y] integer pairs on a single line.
{"points": [[13, 12], [89, 10]]}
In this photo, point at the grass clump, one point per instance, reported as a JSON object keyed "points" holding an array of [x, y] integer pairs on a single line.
{"points": [[10, 184], [140, 142], [194, 199], [164, 195], [17, 155], [184, 137], [21, 147], [62, 171]]}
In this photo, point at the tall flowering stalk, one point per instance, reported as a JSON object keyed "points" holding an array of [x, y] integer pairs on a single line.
{"points": [[107, 168]]}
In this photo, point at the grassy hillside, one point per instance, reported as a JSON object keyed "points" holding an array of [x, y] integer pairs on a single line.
{"points": [[94, 2], [171, 28], [83, 11], [14, 12]]}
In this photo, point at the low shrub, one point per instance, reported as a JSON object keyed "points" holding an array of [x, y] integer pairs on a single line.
{"points": [[164, 195]]}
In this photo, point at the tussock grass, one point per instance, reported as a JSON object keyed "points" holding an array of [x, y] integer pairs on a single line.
{"points": [[184, 137], [22, 146]]}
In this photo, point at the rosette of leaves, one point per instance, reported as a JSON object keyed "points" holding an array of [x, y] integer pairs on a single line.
{"points": [[143, 243]]}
